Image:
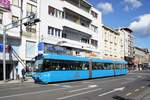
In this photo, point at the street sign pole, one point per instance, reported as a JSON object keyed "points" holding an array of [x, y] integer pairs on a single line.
{"points": [[4, 53]]}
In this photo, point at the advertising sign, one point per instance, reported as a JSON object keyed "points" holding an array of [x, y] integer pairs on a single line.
{"points": [[5, 4]]}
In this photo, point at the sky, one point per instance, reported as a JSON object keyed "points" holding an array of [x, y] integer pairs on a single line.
{"points": [[134, 14]]}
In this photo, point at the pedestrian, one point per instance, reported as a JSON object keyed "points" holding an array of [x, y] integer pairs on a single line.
{"points": [[23, 74], [17, 74]]}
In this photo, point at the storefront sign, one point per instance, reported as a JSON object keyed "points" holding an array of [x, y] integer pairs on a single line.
{"points": [[5, 4], [41, 47], [1, 47]]}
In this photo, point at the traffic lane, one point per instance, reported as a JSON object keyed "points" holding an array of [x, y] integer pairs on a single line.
{"points": [[28, 92], [23, 89], [135, 89], [109, 94], [45, 94], [97, 81], [110, 90], [131, 91]]}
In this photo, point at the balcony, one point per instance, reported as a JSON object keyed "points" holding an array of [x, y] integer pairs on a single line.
{"points": [[77, 44], [76, 9], [78, 27]]}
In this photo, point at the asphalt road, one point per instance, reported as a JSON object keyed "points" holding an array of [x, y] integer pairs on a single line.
{"points": [[134, 86]]}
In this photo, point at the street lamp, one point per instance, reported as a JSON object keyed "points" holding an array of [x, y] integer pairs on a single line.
{"points": [[32, 20]]}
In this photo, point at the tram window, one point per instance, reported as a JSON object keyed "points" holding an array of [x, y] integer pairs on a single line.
{"points": [[64, 65]]}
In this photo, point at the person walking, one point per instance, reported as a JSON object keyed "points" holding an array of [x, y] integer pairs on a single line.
{"points": [[23, 71]]}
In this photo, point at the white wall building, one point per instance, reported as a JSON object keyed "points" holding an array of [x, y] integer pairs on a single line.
{"points": [[113, 44], [75, 22], [72, 27]]}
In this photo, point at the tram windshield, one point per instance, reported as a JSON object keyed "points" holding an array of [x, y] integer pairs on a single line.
{"points": [[38, 65]]}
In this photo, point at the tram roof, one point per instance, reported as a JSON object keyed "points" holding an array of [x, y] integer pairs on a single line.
{"points": [[120, 62], [101, 60], [65, 57], [77, 58], [74, 58]]}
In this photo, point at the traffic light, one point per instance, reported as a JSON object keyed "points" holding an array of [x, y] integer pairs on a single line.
{"points": [[32, 20]]}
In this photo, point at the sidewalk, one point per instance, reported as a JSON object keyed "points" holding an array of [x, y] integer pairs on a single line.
{"points": [[29, 80]]}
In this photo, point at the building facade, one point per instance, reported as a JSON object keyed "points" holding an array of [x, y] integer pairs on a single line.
{"points": [[141, 57], [128, 43], [113, 44], [72, 26], [69, 27]]}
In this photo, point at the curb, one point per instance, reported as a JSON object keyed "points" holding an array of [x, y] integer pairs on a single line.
{"points": [[29, 80]]}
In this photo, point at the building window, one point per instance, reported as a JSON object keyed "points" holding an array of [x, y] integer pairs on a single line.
{"points": [[94, 28], [94, 14], [31, 9], [31, 29], [94, 42], [54, 31], [84, 40], [1, 18], [30, 49], [64, 35], [15, 2], [14, 20], [55, 12], [34, 0]]}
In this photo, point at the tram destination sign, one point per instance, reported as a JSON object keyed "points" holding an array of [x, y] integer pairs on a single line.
{"points": [[4, 5]]}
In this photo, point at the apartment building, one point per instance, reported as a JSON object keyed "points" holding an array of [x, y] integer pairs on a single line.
{"points": [[22, 39], [128, 45], [69, 27], [141, 57], [113, 44]]}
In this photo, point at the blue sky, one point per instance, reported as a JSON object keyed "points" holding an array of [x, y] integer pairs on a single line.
{"points": [[134, 14]]}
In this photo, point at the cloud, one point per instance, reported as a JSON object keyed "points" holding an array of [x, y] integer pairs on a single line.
{"points": [[132, 4], [141, 26], [105, 7]]}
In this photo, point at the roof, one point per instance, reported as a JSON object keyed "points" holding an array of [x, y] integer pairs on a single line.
{"points": [[142, 49], [65, 57], [77, 58], [120, 62], [127, 29], [101, 60], [116, 32]]}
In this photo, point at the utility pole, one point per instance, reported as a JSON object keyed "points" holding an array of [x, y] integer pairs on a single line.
{"points": [[21, 15], [4, 54], [90, 68]]}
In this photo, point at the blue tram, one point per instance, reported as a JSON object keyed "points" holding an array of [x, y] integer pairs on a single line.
{"points": [[56, 68]]}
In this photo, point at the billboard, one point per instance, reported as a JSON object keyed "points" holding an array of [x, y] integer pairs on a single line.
{"points": [[5, 4]]}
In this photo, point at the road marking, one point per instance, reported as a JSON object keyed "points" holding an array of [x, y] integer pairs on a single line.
{"points": [[53, 85], [136, 90], [61, 98], [140, 73], [38, 92], [89, 87], [139, 76], [128, 94], [87, 82], [142, 87], [67, 86], [114, 90]]}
